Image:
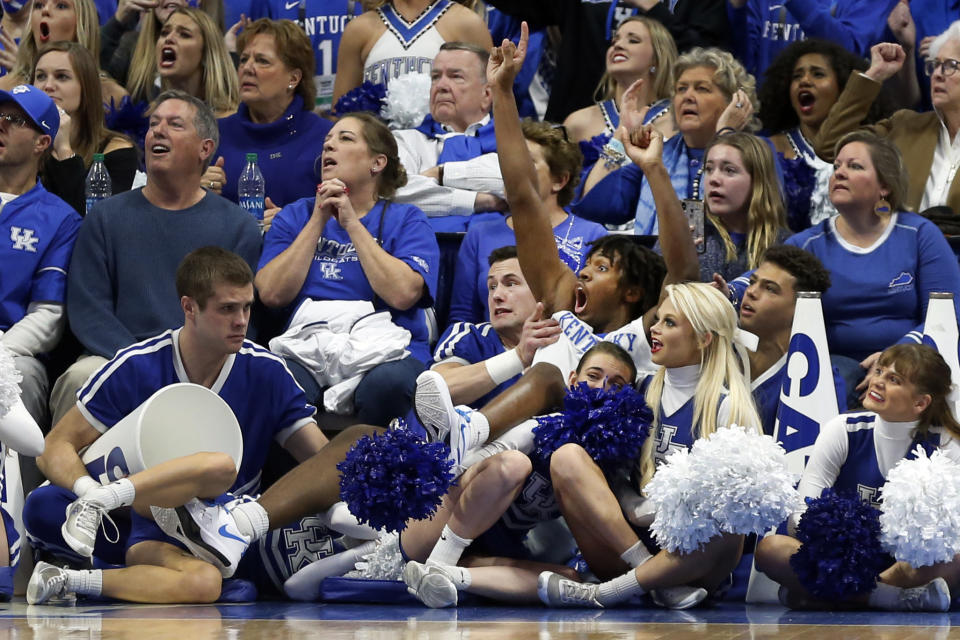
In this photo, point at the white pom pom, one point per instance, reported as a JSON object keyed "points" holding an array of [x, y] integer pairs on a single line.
{"points": [[735, 481], [384, 563], [407, 101], [920, 519], [680, 523], [9, 381]]}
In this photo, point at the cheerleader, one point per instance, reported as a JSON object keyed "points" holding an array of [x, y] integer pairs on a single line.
{"points": [[698, 388], [907, 405]]}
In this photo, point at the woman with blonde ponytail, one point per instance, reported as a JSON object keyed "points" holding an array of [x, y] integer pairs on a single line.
{"points": [[698, 389]]}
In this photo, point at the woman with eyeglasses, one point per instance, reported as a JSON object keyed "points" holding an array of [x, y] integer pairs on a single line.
{"points": [[924, 139]]}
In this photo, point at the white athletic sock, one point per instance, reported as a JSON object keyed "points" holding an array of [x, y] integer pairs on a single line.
{"points": [[114, 495], [885, 596], [619, 589], [636, 555], [449, 548], [460, 575], [85, 582], [83, 484], [252, 519], [479, 431]]}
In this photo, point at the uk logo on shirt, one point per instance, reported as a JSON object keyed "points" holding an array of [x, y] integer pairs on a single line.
{"points": [[330, 271], [23, 239]]}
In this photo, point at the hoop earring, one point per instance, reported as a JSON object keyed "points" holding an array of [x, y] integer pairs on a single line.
{"points": [[882, 208]]}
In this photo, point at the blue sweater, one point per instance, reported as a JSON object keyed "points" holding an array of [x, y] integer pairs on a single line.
{"points": [[879, 294], [120, 287], [287, 151]]}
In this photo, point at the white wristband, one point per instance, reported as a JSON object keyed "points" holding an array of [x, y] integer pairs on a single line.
{"points": [[504, 366], [83, 484]]}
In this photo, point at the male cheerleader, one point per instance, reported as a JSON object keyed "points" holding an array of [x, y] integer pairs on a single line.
{"points": [[216, 294]]}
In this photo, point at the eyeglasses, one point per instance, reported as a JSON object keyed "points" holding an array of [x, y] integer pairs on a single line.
{"points": [[15, 120], [562, 129], [948, 67]]}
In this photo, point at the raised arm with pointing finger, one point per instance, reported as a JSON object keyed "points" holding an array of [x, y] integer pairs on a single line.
{"points": [[550, 280]]}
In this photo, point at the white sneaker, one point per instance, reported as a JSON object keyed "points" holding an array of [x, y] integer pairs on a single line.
{"points": [[933, 596], [46, 582], [84, 518], [678, 598], [443, 421], [208, 531], [556, 591], [433, 406], [431, 585]]}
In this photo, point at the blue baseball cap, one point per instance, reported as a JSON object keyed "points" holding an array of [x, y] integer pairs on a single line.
{"points": [[38, 106]]}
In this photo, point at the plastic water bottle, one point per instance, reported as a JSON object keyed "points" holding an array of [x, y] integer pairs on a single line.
{"points": [[98, 185], [251, 188]]}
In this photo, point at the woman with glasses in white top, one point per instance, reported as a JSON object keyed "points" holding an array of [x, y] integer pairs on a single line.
{"points": [[928, 141]]}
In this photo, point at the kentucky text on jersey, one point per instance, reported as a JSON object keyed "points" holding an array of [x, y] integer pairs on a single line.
{"points": [[325, 25], [385, 70]]}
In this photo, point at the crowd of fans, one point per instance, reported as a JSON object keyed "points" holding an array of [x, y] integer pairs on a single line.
{"points": [[816, 141]]}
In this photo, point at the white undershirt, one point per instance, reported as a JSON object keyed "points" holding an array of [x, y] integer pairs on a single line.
{"points": [[946, 161]]}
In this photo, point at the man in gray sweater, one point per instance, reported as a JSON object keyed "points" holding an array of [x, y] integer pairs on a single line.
{"points": [[120, 288]]}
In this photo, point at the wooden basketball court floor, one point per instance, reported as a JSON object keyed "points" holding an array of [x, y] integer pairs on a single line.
{"points": [[269, 620]]}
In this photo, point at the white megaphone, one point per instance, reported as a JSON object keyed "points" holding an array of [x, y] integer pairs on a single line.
{"points": [[178, 420], [808, 398], [18, 430], [940, 332]]}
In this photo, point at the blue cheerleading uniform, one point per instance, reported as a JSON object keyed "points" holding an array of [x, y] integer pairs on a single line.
{"points": [[675, 428], [468, 343], [271, 560], [268, 404], [854, 453]]}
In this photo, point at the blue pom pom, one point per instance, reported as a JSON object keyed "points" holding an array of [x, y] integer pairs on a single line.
{"points": [[841, 554], [367, 97], [393, 477], [611, 425]]}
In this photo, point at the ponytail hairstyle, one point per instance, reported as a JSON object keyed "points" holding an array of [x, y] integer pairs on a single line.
{"points": [[710, 313], [380, 140], [929, 373]]}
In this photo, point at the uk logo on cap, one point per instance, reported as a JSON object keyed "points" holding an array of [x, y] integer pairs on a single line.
{"points": [[38, 106]]}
